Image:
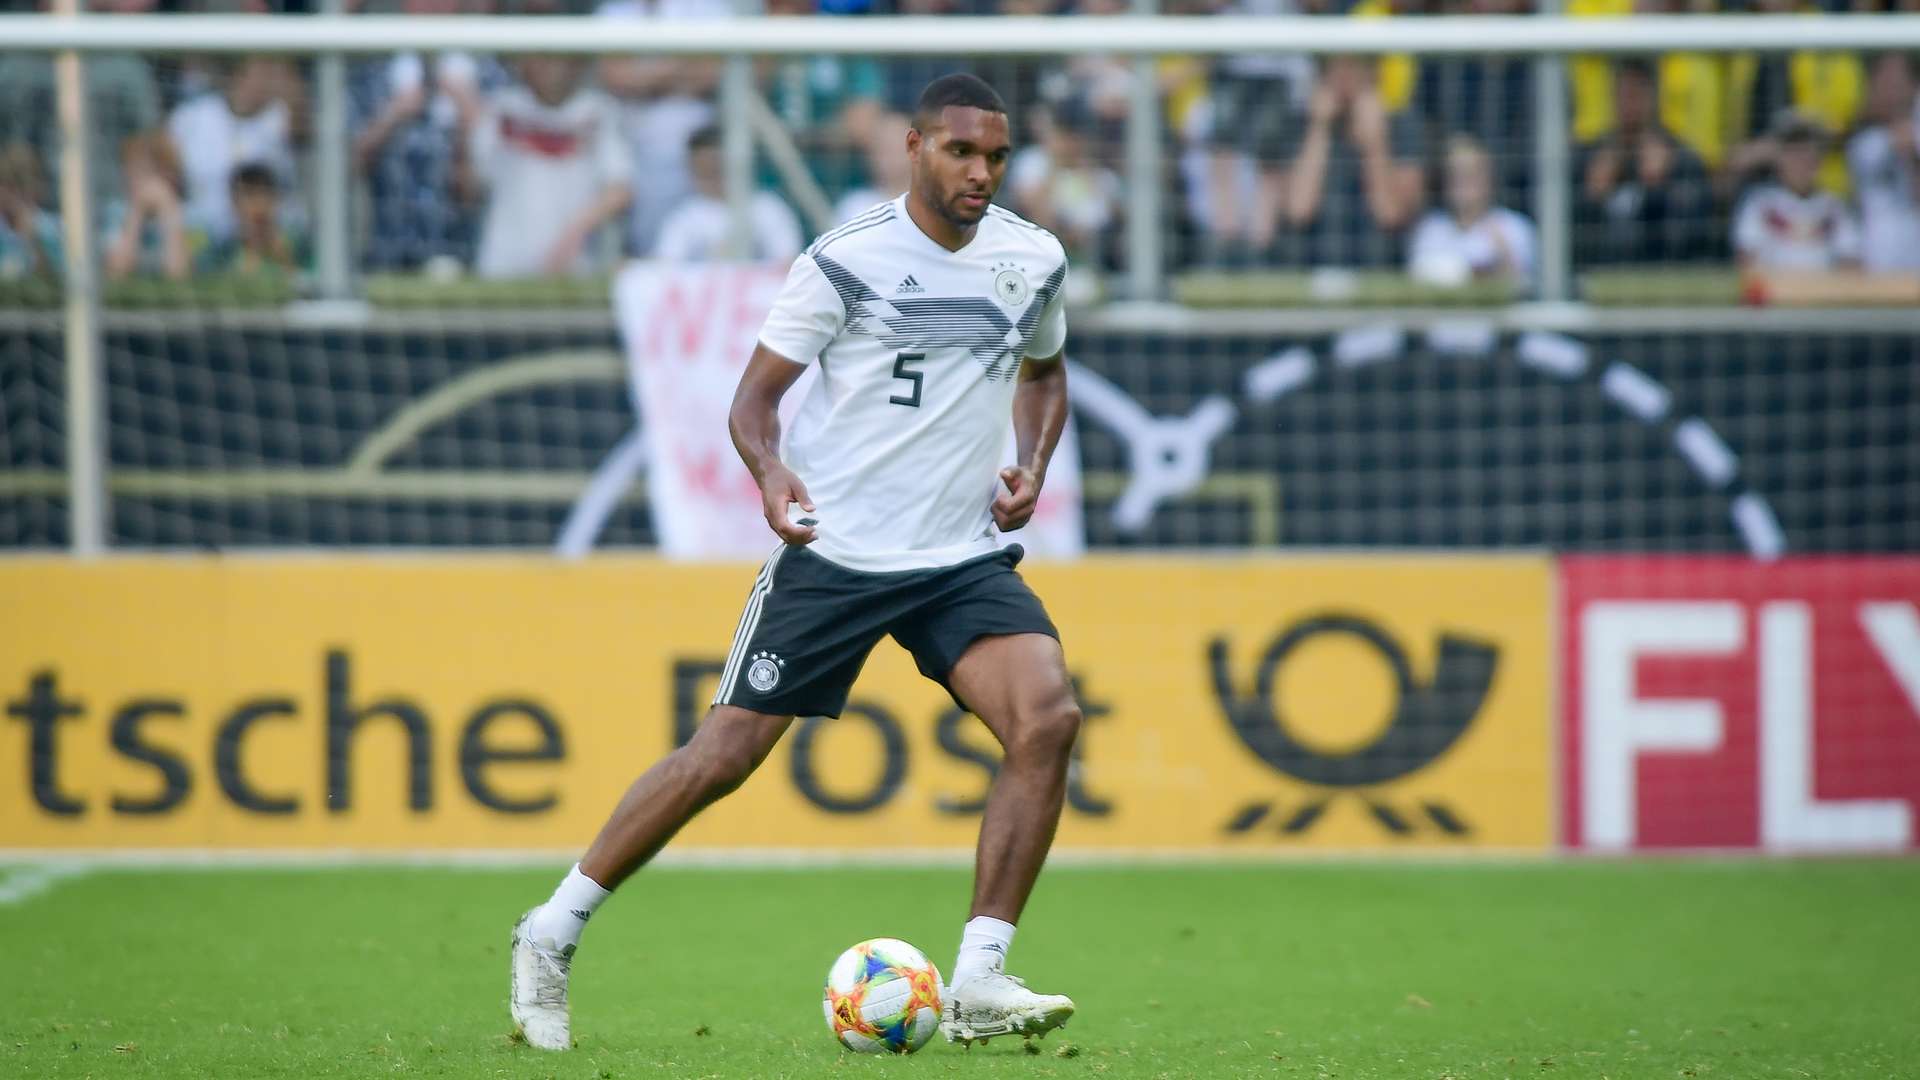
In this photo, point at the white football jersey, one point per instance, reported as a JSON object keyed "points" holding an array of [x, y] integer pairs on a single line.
{"points": [[899, 441]]}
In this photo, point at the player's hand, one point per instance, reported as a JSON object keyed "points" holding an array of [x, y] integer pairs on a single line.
{"points": [[779, 488], [1015, 508]]}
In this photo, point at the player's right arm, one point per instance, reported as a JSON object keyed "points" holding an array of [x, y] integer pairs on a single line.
{"points": [[806, 317], [754, 422]]}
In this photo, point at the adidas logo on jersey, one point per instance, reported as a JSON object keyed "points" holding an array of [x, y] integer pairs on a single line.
{"points": [[908, 286]]}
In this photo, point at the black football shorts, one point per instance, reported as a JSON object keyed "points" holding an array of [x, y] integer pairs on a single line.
{"points": [[809, 624]]}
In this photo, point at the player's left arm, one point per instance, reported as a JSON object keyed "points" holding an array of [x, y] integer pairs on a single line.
{"points": [[1039, 411], [1039, 415]]}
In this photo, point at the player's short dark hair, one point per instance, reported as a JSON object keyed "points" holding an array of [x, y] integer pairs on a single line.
{"points": [[958, 89], [707, 136]]}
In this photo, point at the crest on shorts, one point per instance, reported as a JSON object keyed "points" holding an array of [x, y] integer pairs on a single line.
{"points": [[1010, 285], [764, 673]]}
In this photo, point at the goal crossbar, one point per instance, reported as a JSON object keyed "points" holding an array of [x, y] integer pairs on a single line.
{"points": [[917, 36]]}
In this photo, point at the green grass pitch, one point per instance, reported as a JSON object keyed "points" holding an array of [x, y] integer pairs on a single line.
{"points": [[1670, 969]]}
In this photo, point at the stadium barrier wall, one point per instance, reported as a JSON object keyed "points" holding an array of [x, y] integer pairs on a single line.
{"points": [[1234, 705], [458, 703]]}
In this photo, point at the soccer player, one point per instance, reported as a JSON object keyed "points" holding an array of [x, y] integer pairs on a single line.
{"points": [[935, 318]]}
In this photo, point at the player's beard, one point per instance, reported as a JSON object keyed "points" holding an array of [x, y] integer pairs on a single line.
{"points": [[947, 204]]}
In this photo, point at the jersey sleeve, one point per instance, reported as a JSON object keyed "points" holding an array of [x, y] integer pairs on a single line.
{"points": [[806, 316], [1051, 335]]}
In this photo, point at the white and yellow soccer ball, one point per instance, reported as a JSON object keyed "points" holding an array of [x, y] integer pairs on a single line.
{"points": [[883, 997]]}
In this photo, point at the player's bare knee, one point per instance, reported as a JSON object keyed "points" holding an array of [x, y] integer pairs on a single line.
{"points": [[721, 757], [1046, 733], [725, 763]]}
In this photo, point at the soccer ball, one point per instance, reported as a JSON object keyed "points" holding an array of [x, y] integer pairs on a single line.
{"points": [[883, 997]]}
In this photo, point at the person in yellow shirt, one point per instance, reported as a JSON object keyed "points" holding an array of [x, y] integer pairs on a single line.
{"points": [[1720, 105], [1692, 86]]}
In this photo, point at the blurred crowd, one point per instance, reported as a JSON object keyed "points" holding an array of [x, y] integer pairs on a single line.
{"points": [[505, 167]]}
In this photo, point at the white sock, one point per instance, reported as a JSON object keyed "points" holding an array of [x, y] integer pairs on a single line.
{"points": [[562, 918], [983, 948]]}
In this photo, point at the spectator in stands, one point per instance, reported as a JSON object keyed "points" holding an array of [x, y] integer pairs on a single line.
{"points": [[1789, 223], [253, 119], [888, 169], [1256, 100], [1692, 85], [1184, 88], [827, 104], [29, 232], [1058, 185], [1473, 238], [261, 241], [663, 100], [1357, 181], [1825, 86], [122, 100], [1488, 97], [1641, 195], [548, 152], [1885, 162], [408, 112], [1102, 82], [699, 228], [1017, 79], [146, 224]]}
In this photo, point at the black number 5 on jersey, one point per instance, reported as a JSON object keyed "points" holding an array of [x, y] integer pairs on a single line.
{"points": [[902, 371]]}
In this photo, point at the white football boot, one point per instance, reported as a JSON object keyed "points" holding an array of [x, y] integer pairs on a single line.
{"points": [[996, 1003], [538, 992]]}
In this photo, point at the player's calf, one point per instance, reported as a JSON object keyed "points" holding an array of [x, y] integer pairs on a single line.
{"points": [[718, 759]]}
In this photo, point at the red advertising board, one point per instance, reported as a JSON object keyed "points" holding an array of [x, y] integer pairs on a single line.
{"points": [[1721, 702]]}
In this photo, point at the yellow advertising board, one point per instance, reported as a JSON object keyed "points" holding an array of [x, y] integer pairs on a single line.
{"points": [[1233, 704]]}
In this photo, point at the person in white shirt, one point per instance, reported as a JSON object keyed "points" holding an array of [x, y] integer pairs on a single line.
{"points": [[1472, 238], [549, 153], [662, 100], [699, 228], [1059, 185], [251, 121], [1789, 224], [937, 325], [1884, 159]]}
